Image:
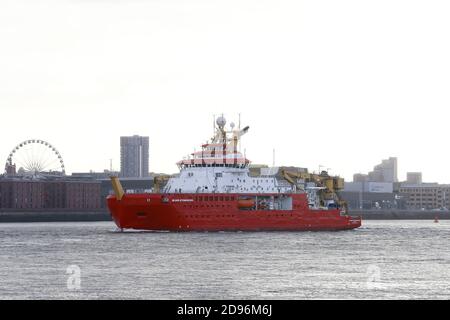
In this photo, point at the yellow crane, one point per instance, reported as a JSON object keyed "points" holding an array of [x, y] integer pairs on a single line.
{"points": [[119, 191], [289, 176], [330, 184], [117, 187], [158, 181]]}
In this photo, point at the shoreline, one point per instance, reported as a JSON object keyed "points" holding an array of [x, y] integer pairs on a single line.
{"points": [[401, 214], [54, 216], [92, 216]]}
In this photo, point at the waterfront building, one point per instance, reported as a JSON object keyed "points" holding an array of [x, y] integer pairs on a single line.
{"points": [[39, 195], [386, 171], [426, 195], [414, 177], [134, 157], [370, 200]]}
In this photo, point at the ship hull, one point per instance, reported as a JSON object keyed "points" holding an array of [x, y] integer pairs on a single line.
{"points": [[191, 212]]}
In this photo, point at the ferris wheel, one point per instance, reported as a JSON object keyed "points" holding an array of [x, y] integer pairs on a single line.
{"points": [[36, 157]]}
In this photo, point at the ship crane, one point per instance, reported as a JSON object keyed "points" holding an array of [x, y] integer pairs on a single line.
{"points": [[289, 176], [158, 181], [327, 185]]}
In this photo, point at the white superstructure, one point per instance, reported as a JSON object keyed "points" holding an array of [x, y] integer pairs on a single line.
{"points": [[222, 180], [221, 168]]}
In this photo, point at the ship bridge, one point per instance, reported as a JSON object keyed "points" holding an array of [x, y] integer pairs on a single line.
{"points": [[222, 151], [219, 167]]}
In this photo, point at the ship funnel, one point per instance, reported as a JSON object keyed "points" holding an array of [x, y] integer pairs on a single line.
{"points": [[117, 187]]}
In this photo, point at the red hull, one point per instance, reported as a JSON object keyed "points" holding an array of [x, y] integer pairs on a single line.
{"points": [[183, 212]]}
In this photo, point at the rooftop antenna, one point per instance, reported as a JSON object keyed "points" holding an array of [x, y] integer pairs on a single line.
{"points": [[214, 125], [110, 165]]}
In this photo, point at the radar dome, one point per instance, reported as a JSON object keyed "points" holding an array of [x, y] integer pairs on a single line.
{"points": [[221, 122]]}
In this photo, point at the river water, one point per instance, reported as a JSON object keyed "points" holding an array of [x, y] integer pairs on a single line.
{"points": [[381, 260]]}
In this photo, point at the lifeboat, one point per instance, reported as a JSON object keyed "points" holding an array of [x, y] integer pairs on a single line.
{"points": [[246, 203]]}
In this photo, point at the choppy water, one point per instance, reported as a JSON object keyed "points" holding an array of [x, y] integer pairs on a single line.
{"points": [[381, 260]]}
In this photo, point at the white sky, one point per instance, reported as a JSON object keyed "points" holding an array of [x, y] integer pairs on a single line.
{"points": [[336, 83]]}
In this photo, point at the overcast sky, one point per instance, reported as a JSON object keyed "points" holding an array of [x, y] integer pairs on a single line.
{"points": [[342, 84]]}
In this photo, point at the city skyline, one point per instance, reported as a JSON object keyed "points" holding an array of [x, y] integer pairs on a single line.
{"points": [[358, 175], [317, 82]]}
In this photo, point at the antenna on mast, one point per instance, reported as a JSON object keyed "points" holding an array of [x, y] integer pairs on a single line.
{"points": [[273, 159], [239, 128]]}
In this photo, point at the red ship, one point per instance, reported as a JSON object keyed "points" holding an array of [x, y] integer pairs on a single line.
{"points": [[215, 191]]}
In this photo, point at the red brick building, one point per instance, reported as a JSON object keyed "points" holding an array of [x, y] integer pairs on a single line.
{"points": [[54, 194], [83, 195]]}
